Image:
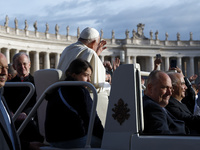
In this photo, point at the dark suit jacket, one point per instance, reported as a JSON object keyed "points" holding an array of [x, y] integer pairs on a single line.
{"points": [[189, 99], [180, 111], [5, 140], [158, 120]]}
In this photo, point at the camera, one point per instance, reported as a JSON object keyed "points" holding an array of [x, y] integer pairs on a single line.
{"points": [[158, 56], [173, 63]]}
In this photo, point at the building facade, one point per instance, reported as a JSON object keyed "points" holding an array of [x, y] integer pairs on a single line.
{"points": [[45, 48]]}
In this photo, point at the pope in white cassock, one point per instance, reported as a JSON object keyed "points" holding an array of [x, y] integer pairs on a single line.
{"points": [[89, 47]]}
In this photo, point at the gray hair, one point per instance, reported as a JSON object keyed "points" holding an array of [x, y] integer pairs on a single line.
{"points": [[20, 54], [173, 77]]}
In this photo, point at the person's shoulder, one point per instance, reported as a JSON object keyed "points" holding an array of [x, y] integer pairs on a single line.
{"points": [[174, 105], [173, 102], [89, 50], [148, 101], [150, 105]]}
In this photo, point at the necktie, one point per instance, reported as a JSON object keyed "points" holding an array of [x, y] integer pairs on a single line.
{"points": [[7, 121]]}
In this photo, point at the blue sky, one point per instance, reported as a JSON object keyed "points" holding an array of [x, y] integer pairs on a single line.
{"points": [[170, 16]]}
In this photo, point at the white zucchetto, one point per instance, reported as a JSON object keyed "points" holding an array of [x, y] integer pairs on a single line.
{"points": [[89, 33]]}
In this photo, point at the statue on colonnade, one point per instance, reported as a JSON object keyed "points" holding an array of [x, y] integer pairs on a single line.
{"points": [[151, 35], [67, 30], [6, 21], [78, 32], [16, 23], [134, 34], [127, 34], [113, 34], [35, 25], [156, 35], [140, 34], [191, 36], [57, 29], [26, 25], [101, 33], [166, 36], [178, 36], [47, 28]]}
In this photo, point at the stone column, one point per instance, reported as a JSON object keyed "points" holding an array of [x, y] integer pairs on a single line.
{"points": [[191, 68], [122, 56], [128, 59], [151, 63], [57, 58], [179, 62], [46, 61], [134, 59], [36, 61], [166, 63], [27, 52], [7, 54]]}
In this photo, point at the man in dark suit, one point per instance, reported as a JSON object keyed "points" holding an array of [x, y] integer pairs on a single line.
{"points": [[179, 109], [157, 120], [9, 140], [30, 136]]}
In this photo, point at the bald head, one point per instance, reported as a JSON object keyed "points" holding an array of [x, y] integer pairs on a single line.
{"points": [[3, 70], [159, 87]]}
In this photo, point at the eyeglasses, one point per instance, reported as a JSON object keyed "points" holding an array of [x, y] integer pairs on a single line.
{"points": [[2, 67]]}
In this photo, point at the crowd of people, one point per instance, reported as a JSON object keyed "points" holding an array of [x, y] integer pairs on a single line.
{"points": [[171, 103]]}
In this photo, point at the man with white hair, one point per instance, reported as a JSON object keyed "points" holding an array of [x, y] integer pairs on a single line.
{"points": [[14, 97], [89, 47]]}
